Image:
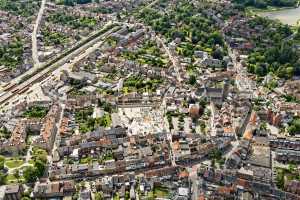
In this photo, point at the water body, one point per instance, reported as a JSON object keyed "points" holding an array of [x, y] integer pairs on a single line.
{"points": [[286, 16]]}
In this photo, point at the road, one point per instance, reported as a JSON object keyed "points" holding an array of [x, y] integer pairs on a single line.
{"points": [[235, 145], [57, 136], [36, 62], [43, 74], [169, 138], [12, 170], [243, 82], [152, 4], [34, 47], [194, 179], [173, 59], [80, 44], [6, 95]]}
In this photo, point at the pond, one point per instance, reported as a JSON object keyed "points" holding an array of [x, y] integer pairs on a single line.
{"points": [[286, 16]]}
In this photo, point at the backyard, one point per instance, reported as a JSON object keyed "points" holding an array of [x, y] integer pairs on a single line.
{"points": [[36, 112]]}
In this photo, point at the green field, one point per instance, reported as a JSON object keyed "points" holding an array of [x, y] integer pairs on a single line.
{"points": [[13, 163]]}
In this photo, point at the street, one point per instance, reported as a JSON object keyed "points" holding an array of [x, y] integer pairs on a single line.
{"points": [[77, 54], [35, 56]]}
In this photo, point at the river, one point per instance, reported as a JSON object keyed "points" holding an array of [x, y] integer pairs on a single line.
{"points": [[286, 16]]}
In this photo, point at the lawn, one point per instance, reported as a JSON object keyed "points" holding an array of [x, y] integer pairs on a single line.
{"points": [[150, 196], [116, 197], [161, 192], [38, 154], [13, 163], [86, 160], [11, 179], [38, 151]]}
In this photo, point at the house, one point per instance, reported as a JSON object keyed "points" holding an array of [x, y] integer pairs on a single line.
{"points": [[293, 88], [293, 186], [287, 156], [274, 118], [201, 54], [211, 62], [195, 110], [49, 129], [13, 192], [81, 76], [132, 193], [54, 189], [283, 143], [17, 141], [183, 192], [234, 161], [85, 195], [216, 95]]}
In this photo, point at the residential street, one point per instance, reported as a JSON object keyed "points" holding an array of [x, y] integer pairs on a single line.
{"points": [[36, 28]]}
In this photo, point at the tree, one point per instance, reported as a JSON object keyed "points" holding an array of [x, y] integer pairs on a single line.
{"points": [[260, 70], [297, 36], [107, 107], [192, 80], [272, 84], [280, 178], [30, 174], [292, 167], [26, 194], [98, 196], [213, 163], [2, 178], [216, 38], [118, 16], [83, 1], [263, 126], [289, 71], [105, 121], [218, 54], [39, 168], [2, 160], [281, 72], [5, 133], [203, 103], [181, 118], [294, 127], [69, 2], [215, 154], [202, 126], [17, 174], [264, 3]]}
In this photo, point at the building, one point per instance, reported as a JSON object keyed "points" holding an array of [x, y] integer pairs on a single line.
{"points": [[17, 142], [54, 189], [13, 192], [49, 129]]}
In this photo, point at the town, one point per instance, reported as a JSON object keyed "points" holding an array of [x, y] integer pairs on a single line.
{"points": [[142, 99]]}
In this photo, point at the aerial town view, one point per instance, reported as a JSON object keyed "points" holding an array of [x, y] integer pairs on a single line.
{"points": [[150, 99]]}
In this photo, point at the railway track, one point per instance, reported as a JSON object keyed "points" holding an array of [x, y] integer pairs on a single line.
{"points": [[27, 81]]}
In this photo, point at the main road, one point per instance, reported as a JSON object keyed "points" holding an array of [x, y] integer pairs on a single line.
{"points": [[34, 47], [173, 59], [39, 71], [43, 72]]}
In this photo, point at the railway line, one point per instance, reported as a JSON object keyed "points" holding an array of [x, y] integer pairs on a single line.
{"points": [[12, 89]]}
